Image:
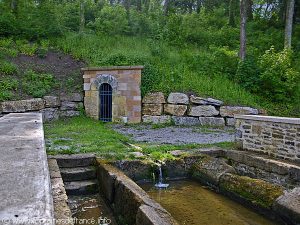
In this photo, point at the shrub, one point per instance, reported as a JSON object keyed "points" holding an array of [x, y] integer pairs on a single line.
{"points": [[39, 21], [248, 75], [8, 23], [279, 81], [36, 84], [112, 20]]}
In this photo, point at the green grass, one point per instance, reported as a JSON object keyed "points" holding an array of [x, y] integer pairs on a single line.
{"points": [[85, 135]]}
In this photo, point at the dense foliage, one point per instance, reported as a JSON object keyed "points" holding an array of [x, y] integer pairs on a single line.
{"points": [[185, 45]]}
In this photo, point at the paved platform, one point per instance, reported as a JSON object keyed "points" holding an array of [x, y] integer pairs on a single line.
{"points": [[25, 193]]}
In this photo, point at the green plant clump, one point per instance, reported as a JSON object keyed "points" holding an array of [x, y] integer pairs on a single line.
{"points": [[7, 68], [7, 87], [36, 84], [26, 48]]}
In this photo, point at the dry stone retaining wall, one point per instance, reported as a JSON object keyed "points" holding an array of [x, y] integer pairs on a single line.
{"points": [[275, 136], [52, 107], [190, 110]]}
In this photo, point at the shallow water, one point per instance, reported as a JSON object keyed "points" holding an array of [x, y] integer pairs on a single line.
{"points": [[90, 209], [192, 204]]}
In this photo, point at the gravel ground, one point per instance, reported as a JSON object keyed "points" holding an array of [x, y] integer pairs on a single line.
{"points": [[176, 135]]}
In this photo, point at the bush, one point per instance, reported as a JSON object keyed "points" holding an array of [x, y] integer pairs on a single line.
{"points": [[279, 81], [112, 20], [36, 84], [248, 75], [8, 24]]}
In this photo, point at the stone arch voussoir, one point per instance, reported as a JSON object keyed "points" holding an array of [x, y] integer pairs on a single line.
{"points": [[104, 78]]}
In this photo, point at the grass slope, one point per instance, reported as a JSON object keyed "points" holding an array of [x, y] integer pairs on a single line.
{"points": [[167, 69]]}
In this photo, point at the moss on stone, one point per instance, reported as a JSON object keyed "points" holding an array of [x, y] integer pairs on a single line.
{"points": [[257, 191]]}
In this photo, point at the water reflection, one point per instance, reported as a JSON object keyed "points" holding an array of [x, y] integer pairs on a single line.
{"points": [[192, 204], [89, 210]]}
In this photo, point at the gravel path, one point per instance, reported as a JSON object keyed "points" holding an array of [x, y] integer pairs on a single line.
{"points": [[176, 135]]}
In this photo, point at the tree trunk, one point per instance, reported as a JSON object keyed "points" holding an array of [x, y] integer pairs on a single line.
{"points": [[243, 14], [127, 4], [82, 18], [166, 7], [14, 6], [139, 5], [199, 5], [289, 23]]}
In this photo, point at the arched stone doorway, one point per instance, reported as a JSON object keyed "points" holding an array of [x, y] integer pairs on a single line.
{"points": [[105, 98], [124, 94]]}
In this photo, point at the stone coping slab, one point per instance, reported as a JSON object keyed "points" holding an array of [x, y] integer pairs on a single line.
{"points": [[288, 206], [112, 68], [24, 181], [273, 119], [129, 201]]}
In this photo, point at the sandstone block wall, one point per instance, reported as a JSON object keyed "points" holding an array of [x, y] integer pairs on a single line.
{"points": [[126, 97], [275, 136], [190, 110]]}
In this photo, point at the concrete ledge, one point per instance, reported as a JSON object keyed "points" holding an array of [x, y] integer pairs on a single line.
{"points": [[288, 206], [76, 160], [113, 68], [273, 119], [24, 181], [290, 171], [150, 216]]}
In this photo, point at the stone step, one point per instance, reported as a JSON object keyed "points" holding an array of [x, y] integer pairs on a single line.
{"points": [[81, 187], [78, 173], [78, 160]]}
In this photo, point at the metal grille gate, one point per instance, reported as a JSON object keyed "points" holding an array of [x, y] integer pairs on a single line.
{"points": [[105, 102]]}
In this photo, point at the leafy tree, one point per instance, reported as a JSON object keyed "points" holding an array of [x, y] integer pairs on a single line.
{"points": [[112, 20]]}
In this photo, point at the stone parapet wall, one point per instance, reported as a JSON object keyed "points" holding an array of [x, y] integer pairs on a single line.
{"points": [[52, 107], [190, 110], [275, 136]]}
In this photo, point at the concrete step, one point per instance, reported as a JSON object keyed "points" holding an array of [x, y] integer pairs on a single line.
{"points": [[81, 187], [78, 160], [78, 173]]}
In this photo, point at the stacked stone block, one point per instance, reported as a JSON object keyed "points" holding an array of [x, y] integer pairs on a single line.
{"points": [[52, 107], [190, 110], [275, 136]]}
